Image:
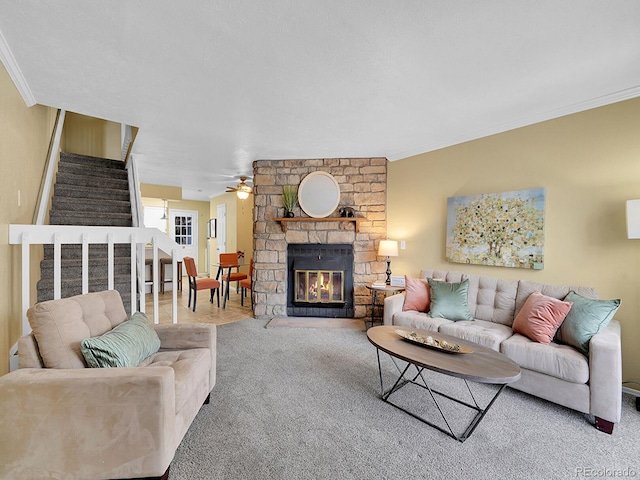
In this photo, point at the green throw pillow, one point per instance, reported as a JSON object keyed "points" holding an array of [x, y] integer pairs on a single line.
{"points": [[586, 318], [449, 300], [125, 346]]}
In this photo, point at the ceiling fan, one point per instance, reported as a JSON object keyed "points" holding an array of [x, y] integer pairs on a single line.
{"points": [[242, 189]]}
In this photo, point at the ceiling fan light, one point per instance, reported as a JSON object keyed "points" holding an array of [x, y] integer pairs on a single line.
{"points": [[242, 194]]}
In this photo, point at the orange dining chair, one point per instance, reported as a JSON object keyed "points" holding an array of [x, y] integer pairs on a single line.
{"points": [[196, 283], [246, 285], [228, 261]]}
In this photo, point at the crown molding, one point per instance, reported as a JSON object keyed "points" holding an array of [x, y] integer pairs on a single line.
{"points": [[9, 61], [595, 102]]}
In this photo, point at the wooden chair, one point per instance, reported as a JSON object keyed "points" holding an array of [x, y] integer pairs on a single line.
{"points": [[246, 285], [228, 261], [196, 283]]}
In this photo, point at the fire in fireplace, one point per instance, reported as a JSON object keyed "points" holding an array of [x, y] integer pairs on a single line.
{"points": [[320, 280], [315, 286]]}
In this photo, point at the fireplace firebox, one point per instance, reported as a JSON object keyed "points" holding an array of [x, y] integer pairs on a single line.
{"points": [[320, 280]]}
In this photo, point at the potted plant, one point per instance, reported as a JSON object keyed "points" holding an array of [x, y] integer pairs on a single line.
{"points": [[289, 199]]}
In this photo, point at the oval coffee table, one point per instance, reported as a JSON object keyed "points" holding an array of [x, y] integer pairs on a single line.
{"points": [[483, 365]]}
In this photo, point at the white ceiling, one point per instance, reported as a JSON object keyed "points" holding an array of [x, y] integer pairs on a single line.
{"points": [[215, 85]]}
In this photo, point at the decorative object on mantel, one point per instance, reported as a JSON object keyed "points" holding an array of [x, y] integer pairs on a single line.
{"points": [[347, 212], [319, 194], [500, 229], [289, 199], [388, 248]]}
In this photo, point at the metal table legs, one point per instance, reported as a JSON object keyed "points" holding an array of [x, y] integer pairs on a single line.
{"points": [[403, 380]]}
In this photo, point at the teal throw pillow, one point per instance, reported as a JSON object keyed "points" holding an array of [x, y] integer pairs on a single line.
{"points": [[125, 346], [586, 318], [449, 300]]}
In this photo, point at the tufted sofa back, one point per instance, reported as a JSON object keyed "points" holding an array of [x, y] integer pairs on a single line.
{"points": [[490, 299], [499, 301], [60, 325]]}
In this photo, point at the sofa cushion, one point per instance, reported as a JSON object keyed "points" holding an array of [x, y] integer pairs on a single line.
{"points": [[586, 318], [191, 369], [527, 287], [449, 300], [416, 295], [492, 299], [487, 334], [126, 345], [540, 317], [444, 275], [560, 361], [419, 320], [60, 325]]}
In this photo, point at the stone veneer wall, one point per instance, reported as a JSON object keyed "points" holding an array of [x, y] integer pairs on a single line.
{"points": [[363, 186]]}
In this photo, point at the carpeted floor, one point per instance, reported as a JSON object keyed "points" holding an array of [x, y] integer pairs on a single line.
{"points": [[301, 403], [313, 322]]}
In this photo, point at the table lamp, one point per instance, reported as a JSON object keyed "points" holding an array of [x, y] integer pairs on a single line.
{"points": [[388, 248]]}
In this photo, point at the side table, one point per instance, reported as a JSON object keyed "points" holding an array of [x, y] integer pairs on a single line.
{"points": [[378, 294]]}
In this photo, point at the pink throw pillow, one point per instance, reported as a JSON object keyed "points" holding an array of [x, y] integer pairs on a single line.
{"points": [[540, 317], [416, 295]]}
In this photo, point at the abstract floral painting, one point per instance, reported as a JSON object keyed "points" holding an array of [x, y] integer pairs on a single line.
{"points": [[501, 229]]}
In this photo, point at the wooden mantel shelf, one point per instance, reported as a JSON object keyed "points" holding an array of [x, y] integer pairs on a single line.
{"points": [[355, 220]]}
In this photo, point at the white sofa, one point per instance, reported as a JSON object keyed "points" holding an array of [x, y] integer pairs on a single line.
{"points": [[61, 419], [556, 372]]}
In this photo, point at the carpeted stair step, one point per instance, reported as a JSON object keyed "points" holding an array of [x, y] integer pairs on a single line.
{"points": [[91, 181], [95, 251], [87, 160], [71, 287], [96, 284], [72, 268], [90, 218], [64, 190], [92, 204], [92, 170]]}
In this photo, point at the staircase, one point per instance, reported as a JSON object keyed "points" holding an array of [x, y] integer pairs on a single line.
{"points": [[89, 191]]}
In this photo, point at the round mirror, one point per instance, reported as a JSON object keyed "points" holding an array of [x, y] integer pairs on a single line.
{"points": [[319, 194]]}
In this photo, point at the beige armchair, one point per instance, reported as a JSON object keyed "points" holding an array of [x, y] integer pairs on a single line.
{"points": [[61, 419]]}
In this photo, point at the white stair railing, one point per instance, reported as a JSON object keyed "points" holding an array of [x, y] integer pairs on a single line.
{"points": [[58, 235]]}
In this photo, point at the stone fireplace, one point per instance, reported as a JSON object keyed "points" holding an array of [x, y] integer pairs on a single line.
{"points": [[363, 183]]}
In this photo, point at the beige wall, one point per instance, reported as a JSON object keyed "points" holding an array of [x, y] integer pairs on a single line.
{"points": [[239, 225], [25, 134], [160, 191], [589, 164], [91, 136], [244, 227], [203, 216]]}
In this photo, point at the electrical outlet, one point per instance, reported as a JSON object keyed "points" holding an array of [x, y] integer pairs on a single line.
{"points": [[403, 245]]}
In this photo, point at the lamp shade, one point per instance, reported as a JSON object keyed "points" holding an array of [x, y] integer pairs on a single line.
{"points": [[242, 195], [388, 248], [633, 219]]}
